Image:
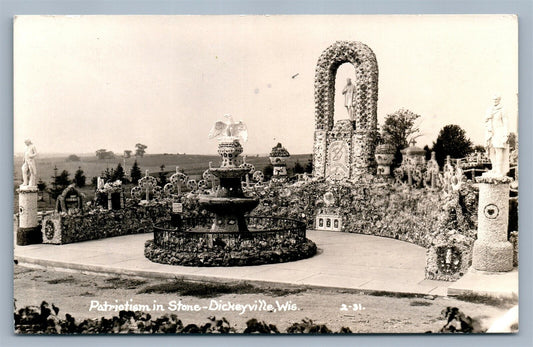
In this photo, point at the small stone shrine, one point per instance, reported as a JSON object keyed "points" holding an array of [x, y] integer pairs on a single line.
{"points": [[278, 159], [329, 217], [413, 155], [70, 200], [345, 149], [413, 163]]}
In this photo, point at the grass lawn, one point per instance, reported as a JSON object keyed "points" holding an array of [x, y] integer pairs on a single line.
{"points": [[74, 293]]}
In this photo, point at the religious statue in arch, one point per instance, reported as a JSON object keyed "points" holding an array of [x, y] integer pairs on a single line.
{"points": [[349, 96]]}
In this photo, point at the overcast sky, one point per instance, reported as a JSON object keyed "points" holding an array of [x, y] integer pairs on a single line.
{"points": [[90, 82]]}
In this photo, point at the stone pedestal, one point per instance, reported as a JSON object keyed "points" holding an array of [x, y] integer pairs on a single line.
{"points": [[384, 161], [28, 231], [492, 251]]}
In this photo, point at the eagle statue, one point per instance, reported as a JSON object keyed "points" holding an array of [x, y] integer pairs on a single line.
{"points": [[229, 129]]}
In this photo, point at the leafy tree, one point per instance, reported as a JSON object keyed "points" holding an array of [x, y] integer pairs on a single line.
{"points": [[309, 166], [268, 171], [100, 154], [108, 174], [298, 168], [73, 157], [162, 176], [104, 154], [79, 178], [135, 173], [479, 148], [41, 185], [452, 141], [513, 141], [428, 152], [398, 128], [60, 182], [118, 173], [63, 179], [127, 153], [140, 149]]}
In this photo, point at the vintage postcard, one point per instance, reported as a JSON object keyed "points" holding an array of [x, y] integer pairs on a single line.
{"points": [[265, 174]]}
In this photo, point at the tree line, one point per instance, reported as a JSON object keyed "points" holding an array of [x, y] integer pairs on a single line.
{"points": [[401, 127]]}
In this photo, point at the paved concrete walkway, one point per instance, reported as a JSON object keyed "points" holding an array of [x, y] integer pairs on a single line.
{"points": [[344, 260]]}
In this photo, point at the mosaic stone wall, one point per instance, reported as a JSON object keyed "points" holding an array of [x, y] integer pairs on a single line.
{"points": [[443, 223], [366, 96], [61, 228]]}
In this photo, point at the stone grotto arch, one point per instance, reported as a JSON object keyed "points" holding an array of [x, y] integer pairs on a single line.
{"points": [[344, 150]]}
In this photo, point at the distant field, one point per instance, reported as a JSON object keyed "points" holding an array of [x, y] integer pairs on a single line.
{"points": [[193, 165]]}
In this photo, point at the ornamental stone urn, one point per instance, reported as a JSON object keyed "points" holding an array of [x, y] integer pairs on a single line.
{"points": [[384, 156]]}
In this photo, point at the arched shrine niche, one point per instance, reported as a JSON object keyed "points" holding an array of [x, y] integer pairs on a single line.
{"points": [[344, 71], [342, 149]]}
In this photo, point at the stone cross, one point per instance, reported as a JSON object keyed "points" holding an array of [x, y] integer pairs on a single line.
{"points": [[147, 184]]}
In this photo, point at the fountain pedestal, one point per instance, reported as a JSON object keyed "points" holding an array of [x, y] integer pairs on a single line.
{"points": [[228, 202]]}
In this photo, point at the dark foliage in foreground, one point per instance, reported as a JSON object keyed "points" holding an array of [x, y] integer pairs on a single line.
{"points": [[458, 322], [45, 320]]}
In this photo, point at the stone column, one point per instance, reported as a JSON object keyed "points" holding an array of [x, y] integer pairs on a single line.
{"points": [[28, 231], [319, 153], [492, 251]]}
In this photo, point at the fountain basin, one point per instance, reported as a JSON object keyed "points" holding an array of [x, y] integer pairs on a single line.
{"points": [[229, 212], [229, 172], [220, 205], [191, 243]]}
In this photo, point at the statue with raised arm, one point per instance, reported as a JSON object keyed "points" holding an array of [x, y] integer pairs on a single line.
{"points": [[349, 94], [29, 172], [497, 138]]}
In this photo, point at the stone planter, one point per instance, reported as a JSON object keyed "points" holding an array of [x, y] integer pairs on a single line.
{"points": [[384, 157]]}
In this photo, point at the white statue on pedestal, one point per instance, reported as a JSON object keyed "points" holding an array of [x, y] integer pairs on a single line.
{"points": [[29, 171], [349, 96], [497, 138]]}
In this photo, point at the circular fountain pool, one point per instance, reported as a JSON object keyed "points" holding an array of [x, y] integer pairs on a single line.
{"points": [[191, 243]]}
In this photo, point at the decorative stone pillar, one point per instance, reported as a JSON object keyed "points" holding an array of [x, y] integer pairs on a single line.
{"points": [[28, 231], [492, 251]]}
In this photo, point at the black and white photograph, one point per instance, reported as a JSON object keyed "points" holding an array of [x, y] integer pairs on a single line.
{"points": [[265, 174]]}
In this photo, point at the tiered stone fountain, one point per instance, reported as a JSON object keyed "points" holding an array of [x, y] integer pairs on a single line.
{"points": [[228, 202], [228, 237]]}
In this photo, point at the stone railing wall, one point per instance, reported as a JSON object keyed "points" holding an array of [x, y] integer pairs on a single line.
{"points": [[443, 223], [98, 223]]}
